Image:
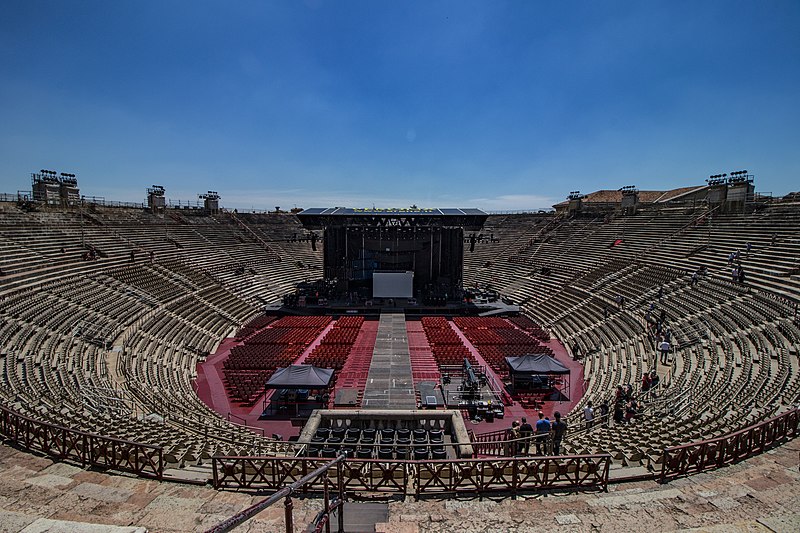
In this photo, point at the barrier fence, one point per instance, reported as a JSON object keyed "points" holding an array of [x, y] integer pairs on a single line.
{"points": [[728, 449], [488, 474], [491, 443], [322, 520], [509, 474], [86, 448]]}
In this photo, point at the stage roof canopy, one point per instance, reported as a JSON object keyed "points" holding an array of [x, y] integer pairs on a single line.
{"points": [[535, 364], [321, 217], [300, 377]]}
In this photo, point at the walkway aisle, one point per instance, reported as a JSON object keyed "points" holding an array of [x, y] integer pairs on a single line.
{"points": [[355, 371], [210, 386], [316, 342], [424, 367], [390, 384]]}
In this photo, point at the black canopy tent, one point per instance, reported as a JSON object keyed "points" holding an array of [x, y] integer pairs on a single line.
{"points": [[538, 372], [293, 383], [300, 377]]}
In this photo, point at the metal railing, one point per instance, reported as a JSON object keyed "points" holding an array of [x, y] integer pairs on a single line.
{"points": [[285, 494]]}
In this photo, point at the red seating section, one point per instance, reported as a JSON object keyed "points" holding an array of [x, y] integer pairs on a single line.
{"points": [[271, 344], [355, 371], [335, 347], [446, 345], [250, 365], [423, 364], [497, 338], [526, 324]]}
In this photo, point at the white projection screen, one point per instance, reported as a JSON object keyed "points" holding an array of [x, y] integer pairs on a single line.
{"points": [[394, 284]]}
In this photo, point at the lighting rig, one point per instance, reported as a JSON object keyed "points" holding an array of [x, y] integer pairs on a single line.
{"points": [[210, 195], [575, 195], [740, 176], [68, 179], [49, 176], [717, 179], [474, 239]]}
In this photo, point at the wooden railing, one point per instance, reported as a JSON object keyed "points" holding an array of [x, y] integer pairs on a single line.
{"points": [[729, 449], [86, 448], [492, 442], [508, 474], [511, 474]]}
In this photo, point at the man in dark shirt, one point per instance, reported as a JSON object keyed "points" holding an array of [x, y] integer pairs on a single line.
{"points": [[525, 431], [542, 431], [558, 429], [654, 380]]}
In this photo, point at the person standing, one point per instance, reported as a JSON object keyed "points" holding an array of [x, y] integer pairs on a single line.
{"points": [[618, 411], [525, 432], [663, 347], [513, 436], [542, 432], [558, 429], [588, 415], [604, 410], [654, 380]]}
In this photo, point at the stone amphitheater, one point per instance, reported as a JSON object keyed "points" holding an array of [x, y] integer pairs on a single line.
{"points": [[106, 345]]}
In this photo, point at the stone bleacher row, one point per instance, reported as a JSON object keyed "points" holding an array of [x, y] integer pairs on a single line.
{"points": [[735, 361], [110, 345], [735, 347]]}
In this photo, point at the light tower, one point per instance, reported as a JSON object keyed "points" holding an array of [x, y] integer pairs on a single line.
{"points": [[211, 202], [630, 199], [45, 187], [740, 191], [575, 202], [155, 199]]}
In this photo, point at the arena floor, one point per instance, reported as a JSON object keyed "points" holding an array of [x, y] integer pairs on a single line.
{"points": [[211, 390]]}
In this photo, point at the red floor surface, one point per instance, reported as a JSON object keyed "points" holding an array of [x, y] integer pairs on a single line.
{"points": [[516, 411], [211, 388]]}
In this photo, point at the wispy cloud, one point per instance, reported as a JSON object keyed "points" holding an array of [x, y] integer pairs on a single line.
{"points": [[513, 202]]}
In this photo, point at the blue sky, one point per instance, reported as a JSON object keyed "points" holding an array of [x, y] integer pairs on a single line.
{"points": [[496, 105]]}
